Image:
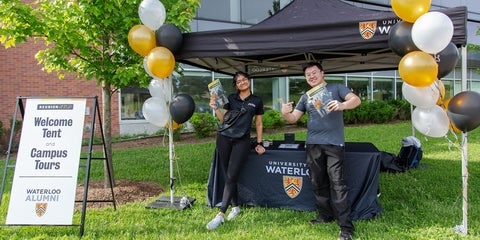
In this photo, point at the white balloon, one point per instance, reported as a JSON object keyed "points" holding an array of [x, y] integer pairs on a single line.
{"points": [[424, 97], [432, 32], [145, 66], [156, 87], [155, 111], [152, 13], [432, 122]]}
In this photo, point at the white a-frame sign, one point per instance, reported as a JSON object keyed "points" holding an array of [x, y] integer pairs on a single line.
{"points": [[45, 179]]}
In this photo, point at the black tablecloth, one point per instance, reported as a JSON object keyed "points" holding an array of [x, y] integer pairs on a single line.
{"points": [[279, 178]]}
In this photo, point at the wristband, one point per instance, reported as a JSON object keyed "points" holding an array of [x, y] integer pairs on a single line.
{"points": [[260, 143]]}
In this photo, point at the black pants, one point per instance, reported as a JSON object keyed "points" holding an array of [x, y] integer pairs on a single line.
{"points": [[328, 183], [232, 153]]}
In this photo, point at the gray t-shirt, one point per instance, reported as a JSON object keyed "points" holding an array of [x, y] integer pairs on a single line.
{"points": [[330, 128]]}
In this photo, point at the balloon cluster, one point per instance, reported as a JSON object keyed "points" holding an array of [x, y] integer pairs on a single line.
{"points": [[423, 40], [157, 42]]}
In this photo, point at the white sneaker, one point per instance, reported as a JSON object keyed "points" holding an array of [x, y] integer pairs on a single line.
{"points": [[216, 221], [235, 211]]}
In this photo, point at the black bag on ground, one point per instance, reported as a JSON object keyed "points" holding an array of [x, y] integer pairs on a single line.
{"points": [[388, 163], [410, 153]]}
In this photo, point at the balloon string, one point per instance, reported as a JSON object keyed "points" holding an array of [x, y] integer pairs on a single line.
{"points": [[451, 143]]}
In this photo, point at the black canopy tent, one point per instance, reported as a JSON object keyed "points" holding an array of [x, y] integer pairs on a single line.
{"points": [[345, 38]]}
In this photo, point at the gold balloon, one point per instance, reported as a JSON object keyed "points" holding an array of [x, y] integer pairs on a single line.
{"points": [[175, 125], [410, 10], [441, 90], [161, 62], [452, 126], [141, 39], [417, 68], [445, 104]]}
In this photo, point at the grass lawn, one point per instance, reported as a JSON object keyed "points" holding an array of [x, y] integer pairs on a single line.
{"points": [[424, 203]]}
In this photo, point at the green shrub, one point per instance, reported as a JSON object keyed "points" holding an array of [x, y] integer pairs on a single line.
{"points": [[402, 109], [177, 133], [203, 124], [357, 115], [380, 112], [370, 112], [273, 119], [367, 112], [349, 116], [5, 135], [302, 122]]}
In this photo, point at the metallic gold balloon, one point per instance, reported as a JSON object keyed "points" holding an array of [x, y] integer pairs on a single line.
{"points": [[410, 10], [175, 125], [452, 126], [161, 62], [141, 39], [418, 69], [441, 89]]}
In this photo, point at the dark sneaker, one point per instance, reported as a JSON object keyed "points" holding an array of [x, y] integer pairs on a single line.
{"points": [[320, 220], [344, 236]]}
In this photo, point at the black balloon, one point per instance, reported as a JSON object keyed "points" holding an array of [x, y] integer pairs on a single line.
{"points": [[464, 110], [169, 36], [182, 108], [400, 39], [447, 60]]}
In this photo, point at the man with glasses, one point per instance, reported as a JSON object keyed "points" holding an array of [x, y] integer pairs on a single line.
{"points": [[325, 146]]}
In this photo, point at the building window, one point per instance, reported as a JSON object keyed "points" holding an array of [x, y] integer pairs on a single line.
{"points": [[297, 87], [383, 89], [399, 93], [132, 100], [195, 83], [340, 79], [360, 86], [263, 88], [210, 10], [240, 11]]}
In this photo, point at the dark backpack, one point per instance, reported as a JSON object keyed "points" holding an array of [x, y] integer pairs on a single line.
{"points": [[389, 163], [410, 153]]}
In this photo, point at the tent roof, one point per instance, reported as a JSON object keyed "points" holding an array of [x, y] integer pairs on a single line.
{"points": [[343, 37]]}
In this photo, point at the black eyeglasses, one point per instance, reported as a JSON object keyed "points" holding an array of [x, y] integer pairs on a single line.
{"points": [[241, 80]]}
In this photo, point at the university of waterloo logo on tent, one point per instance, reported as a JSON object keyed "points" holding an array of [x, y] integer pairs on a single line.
{"points": [[292, 185], [41, 208], [367, 29]]}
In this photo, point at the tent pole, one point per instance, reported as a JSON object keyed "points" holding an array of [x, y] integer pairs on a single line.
{"points": [[464, 148], [465, 183], [171, 151], [170, 154], [463, 228], [411, 114]]}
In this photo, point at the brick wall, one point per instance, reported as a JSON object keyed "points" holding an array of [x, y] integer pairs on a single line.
{"points": [[21, 75]]}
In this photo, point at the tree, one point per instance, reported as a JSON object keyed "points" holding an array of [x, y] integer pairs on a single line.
{"points": [[276, 7], [474, 46], [88, 38]]}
